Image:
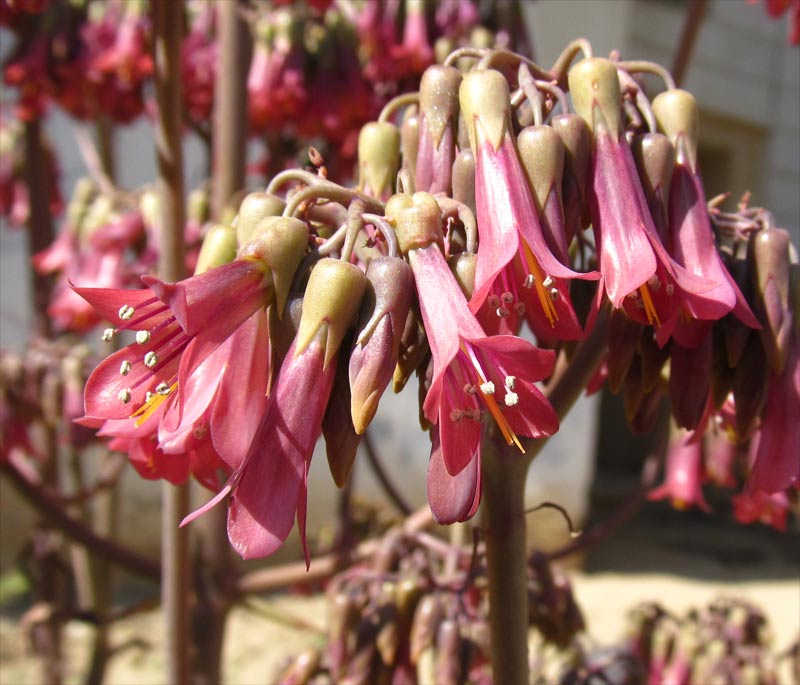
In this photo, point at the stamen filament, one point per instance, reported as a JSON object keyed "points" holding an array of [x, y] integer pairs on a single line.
{"points": [[544, 296], [151, 405], [649, 307]]}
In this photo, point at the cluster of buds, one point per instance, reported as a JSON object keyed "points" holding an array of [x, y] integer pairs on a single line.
{"points": [[418, 613], [754, 387], [469, 220], [726, 642], [44, 386], [107, 240]]}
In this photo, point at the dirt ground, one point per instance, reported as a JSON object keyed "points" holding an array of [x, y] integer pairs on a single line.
{"points": [[676, 559]]}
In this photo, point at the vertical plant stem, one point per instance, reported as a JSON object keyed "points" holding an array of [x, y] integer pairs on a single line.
{"points": [[167, 17], [695, 12], [504, 474], [105, 146], [230, 108], [40, 222]]}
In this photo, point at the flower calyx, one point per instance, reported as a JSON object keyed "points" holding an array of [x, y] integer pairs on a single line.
{"points": [[417, 220], [596, 94]]}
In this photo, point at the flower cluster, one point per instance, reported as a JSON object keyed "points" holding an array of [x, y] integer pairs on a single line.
{"points": [[468, 221], [727, 641]]}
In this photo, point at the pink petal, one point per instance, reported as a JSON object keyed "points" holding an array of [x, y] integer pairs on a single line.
{"points": [[452, 498]]}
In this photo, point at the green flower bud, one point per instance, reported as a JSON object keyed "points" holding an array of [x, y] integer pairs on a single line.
{"points": [[464, 178], [655, 160], [463, 267], [678, 117], [409, 139], [281, 243], [541, 152], [596, 95], [378, 158], [255, 207], [333, 298], [485, 100], [438, 98], [219, 247], [417, 220]]}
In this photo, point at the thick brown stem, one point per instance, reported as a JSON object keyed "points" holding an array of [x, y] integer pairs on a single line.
{"points": [[230, 108], [504, 474], [40, 222], [167, 17]]}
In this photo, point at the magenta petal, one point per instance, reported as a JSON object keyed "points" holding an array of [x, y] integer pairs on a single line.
{"points": [[618, 218], [460, 439], [452, 498], [517, 356], [220, 298], [242, 393], [109, 301], [532, 416]]}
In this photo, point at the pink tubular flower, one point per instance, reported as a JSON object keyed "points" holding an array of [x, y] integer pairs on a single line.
{"points": [[638, 273], [513, 255], [771, 510], [684, 474], [270, 485], [472, 374]]}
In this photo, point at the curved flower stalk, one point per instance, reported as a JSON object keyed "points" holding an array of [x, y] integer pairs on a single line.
{"points": [[513, 255], [473, 375], [270, 485]]}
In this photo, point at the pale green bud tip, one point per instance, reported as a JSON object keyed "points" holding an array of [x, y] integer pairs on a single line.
{"points": [[485, 104], [378, 157], [219, 247], [542, 154], [655, 159], [438, 98], [417, 220], [255, 207], [678, 117], [333, 298], [281, 243], [463, 267], [596, 95]]}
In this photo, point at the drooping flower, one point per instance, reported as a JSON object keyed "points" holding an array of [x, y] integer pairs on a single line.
{"points": [[513, 254], [638, 273], [473, 375], [684, 475], [270, 485]]}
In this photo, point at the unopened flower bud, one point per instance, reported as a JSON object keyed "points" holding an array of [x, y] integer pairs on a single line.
{"points": [[772, 281], [464, 178], [219, 247], [255, 207], [541, 152], [678, 117], [333, 297], [577, 140], [198, 207], [463, 266], [596, 96], [750, 380], [150, 207], [409, 139], [655, 160], [343, 618], [378, 158], [384, 312], [417, 220], [388, 639], [485, 103], [280, 242], [413, 350], [438, 98]]}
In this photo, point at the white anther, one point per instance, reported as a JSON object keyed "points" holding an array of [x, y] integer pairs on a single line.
{"points": [[124, 396], [150, 359], [142, 337], [530, 279], [108, 334], [670, 288], [124, 368], [163, 389], [487, 388], [548, 281], [511, 399], [148, 396], [125, 312], [554, 293], [509, 382]]}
